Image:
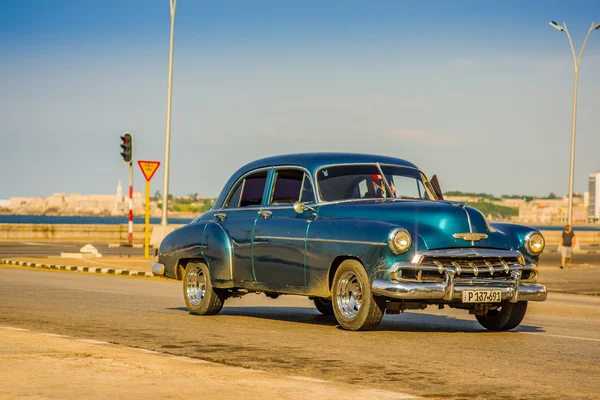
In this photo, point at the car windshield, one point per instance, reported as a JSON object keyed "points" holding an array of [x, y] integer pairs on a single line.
{"points": [[351, 182]]}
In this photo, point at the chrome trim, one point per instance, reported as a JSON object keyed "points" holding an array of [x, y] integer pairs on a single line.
{"points": [[279, 238], [391, 236], [306, 172], [319, 240], [527, 246], [347, 242], [452, 290], [158, 269], [195, 288], [470, 236], [469, 252], [265, 214], [512, 288], [349, 295], [220, 216], [234, 186]]}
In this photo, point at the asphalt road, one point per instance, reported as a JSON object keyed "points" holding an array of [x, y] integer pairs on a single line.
{"points": [[50, 249], [554, 354]]}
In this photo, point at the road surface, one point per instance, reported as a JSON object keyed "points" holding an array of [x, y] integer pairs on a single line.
{"points": [[554, 354]]}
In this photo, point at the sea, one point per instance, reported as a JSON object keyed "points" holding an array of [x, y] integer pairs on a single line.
{"points": [[48, 219]]}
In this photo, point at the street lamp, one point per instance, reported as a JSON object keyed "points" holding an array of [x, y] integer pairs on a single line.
{"points": [[576, 62], [163, 220]]}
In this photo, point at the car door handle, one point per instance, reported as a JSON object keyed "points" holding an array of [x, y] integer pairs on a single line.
{"points": [[221, 216], [265, 214]]}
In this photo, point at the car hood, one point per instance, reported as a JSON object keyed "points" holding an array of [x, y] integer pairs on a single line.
{"points": [[434, 222]]}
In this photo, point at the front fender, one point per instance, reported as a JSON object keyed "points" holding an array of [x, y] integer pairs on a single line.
{"points": [[367, 240], [516, 234]]}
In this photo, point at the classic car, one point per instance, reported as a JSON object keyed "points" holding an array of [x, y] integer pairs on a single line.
{"points": [[361, 235]]}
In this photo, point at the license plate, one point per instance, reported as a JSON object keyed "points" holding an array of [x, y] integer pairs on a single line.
{"points": [[481, 296]]}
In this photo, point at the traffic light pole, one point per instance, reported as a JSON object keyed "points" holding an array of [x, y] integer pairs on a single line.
{"points": [[130, 231]]}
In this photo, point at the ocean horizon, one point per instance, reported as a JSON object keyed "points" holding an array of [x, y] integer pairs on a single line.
{"points": [[91, 220], [64, 220]]}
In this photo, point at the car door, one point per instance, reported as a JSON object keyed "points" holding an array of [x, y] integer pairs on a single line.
{"points": [[237, 218], [280, 232]]}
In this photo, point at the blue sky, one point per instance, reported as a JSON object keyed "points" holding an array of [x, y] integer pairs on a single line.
{"points": [[478, 92]]}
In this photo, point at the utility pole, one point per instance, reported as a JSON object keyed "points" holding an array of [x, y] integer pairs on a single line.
{"points": [[163, 220], [576, 63]]}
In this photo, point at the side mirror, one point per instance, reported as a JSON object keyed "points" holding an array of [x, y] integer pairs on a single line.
{"points": [[436, 187], [300, 208]]}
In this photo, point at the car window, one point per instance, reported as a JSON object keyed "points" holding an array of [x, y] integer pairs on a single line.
{"points": [[234, 200], [307, 195], [406, 183], [254, 187], [287, 187], [351, 182]]}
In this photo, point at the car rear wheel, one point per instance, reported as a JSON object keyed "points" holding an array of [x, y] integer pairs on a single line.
{"points": [[200, 296], [354, 306], [323, 305], [508, 316]]}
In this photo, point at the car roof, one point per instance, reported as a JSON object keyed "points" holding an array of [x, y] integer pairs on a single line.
{"points": [[314, 161]]}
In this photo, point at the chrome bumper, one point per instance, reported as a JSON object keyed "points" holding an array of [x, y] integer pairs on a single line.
{"points": [[158, 269], [512, 288]]}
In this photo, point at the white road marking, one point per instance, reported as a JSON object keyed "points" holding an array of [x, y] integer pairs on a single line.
{"points": [[99, 291], [56, 335], [92, 341], [384, 394], [308, 379], [562, 336], [10, 328], [146, 350]]}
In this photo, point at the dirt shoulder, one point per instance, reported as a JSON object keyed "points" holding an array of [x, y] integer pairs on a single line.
{"points": [[56, 367]]}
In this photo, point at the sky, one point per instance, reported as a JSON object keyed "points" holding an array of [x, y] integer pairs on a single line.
{"points": [[479, 93]]}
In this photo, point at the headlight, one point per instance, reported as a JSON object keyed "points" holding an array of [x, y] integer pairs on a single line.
{"points": [[534, 243], [399, 241]]}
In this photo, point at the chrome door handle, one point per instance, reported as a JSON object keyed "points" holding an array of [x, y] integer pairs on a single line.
{"points": [[221, 216], [265, 214]]}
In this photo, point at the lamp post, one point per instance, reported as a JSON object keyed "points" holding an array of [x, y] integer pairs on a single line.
{"points": [[163, 220], [576, 63]]}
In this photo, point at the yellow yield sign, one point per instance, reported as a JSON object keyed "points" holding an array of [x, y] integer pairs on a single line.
{"points": [[148, 169]]}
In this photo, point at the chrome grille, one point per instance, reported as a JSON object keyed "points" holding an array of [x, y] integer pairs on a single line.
{"points": [[467, 264]]}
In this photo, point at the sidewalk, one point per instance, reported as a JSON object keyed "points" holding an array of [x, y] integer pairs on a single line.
{"points": [[132, 266], [43, 365]]}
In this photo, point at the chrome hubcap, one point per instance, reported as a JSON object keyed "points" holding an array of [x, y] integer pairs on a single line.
{"points": [[196, 285], [349, 295]]}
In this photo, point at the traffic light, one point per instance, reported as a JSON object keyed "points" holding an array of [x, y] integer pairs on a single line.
{"points": [[127, 147]]}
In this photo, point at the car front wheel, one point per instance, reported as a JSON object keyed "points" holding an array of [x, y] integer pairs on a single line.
{"points": [[200, 296], [354, 306], [508, 316]]}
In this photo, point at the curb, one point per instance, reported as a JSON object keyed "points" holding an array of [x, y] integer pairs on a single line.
{"points": [[93, 270]]}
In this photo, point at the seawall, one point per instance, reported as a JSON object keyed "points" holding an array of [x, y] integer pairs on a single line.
{"points": [[118, 233], [72, 233]]}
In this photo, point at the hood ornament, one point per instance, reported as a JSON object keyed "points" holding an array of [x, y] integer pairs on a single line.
{"points": [[470, 236]]}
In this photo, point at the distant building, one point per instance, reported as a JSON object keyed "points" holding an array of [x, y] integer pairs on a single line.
{"points": [[4, 203], [594, 199]]}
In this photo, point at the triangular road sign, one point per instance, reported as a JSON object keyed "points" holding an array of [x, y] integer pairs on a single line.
{"points": [[148, 168]]}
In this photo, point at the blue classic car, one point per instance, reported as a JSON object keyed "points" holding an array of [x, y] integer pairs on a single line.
{"points": [[361, 235]]}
